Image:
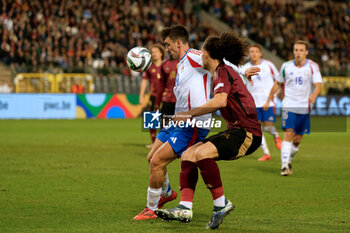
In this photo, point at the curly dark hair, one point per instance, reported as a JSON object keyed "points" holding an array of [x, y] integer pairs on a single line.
{"points": [[229, 46]]}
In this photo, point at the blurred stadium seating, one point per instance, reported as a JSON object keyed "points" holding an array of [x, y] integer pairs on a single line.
{"points": [[93, 37], [277, 24]]}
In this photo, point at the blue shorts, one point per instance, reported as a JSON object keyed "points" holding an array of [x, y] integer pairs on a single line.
{"points": [[182, 138], [300, 123], [268, 115]]}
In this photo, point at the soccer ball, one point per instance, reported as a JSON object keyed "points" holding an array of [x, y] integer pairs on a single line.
{"points": [[139, 59]]}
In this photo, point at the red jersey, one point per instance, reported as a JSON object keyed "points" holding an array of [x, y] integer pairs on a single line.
{"points": [[153, 75], [168, 71], [240, 111]]}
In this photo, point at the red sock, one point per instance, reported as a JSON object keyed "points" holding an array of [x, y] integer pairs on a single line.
{"points": [[211, 176], [188, 180], [153, 133]]}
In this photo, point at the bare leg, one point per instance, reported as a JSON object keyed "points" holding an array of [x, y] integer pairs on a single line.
{"points": [[162, 157]]}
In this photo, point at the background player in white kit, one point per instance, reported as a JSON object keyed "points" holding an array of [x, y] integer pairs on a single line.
{"points": [[192, 89], [298, 75], [260, 90]]}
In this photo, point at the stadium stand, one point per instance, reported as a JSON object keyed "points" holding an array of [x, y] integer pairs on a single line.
{"points": [[78, 36], [82, 36], [276, 25], [75, 35]]}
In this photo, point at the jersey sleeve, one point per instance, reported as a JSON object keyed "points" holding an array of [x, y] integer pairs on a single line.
{"points": [[222, 83], [282, 75], [274, 72], [195, 58], [316, 74], [240, 70], [243, 68]]}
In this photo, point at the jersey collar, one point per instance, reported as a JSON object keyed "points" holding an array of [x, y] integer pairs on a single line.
{"points": [[185, 54], [306, 62], [261, 61]]}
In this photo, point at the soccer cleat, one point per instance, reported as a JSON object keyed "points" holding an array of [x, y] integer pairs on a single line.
{"points": [[290, 168], [285, 171], [164, 200], [264, 158], [145, 214], [278, 143], [218, 215], [180, 213]]}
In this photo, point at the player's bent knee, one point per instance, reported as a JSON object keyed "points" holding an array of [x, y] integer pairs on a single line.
{"points": [[200, 154], [157, 162], [150, 156], [188, 155]]}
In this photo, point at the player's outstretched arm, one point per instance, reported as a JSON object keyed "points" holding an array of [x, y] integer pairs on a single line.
{"points": [[317, 89], [217, 102], [276, 86], [142, 90]]}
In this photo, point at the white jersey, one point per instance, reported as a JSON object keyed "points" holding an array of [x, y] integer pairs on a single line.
{"points": [[262, 83], [298, 85], [192, 84], [238, 70]]}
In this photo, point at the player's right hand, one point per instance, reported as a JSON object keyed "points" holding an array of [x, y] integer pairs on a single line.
{"points": [[266, 106], [251, 72]]}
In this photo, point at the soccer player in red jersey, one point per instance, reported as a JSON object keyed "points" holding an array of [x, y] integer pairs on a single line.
{"points": [[167, 97], [242, 137], [153, 76]]}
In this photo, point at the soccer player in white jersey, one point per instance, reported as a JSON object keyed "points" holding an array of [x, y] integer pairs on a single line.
{"points": [[298, 75], [260, 91], [192, 89]]}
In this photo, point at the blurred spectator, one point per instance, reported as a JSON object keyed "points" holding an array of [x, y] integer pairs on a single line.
{"points": [[77, 34], [277, 25]]}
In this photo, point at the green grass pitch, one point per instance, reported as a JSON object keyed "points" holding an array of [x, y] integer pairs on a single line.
{"points": [[92, 176]]}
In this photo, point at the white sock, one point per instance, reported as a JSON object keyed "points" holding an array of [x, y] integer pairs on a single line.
{"points": [[166, 189], [294, 150], [285, 153], [187, 204], [264, 146], [153, 196], [272, 130], [220, 202]]}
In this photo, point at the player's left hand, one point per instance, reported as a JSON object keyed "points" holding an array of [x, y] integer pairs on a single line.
{"points": [[181, 116], [251, 72], [312, 99]]}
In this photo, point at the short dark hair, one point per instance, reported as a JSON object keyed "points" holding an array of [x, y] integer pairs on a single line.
{"points": [[161, 49], [176, 32], [229, 46], [302, 42]]}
